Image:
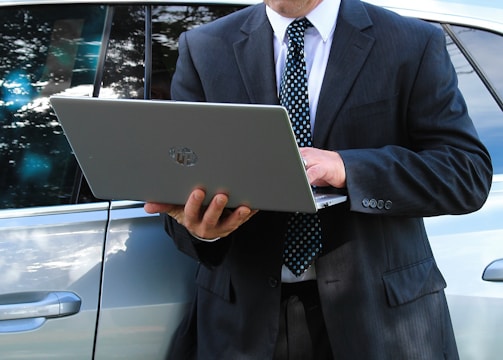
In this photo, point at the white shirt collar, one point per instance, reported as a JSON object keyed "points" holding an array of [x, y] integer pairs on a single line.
{"points": [[318, 17]]}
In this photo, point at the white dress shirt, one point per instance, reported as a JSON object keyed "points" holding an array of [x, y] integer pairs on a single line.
{"points": [[317, 43]]}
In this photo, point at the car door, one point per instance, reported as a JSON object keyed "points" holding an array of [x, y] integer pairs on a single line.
{"points": [[52, 231], [469, 248]]}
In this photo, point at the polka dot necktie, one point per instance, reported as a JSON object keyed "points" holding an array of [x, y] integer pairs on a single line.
{"points": [[303, 236]]}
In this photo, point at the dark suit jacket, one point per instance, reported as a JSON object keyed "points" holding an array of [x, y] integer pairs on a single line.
{"points": [[390, 105]]}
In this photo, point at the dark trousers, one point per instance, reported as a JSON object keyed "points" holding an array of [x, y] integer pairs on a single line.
{"points": [[302, 332]]}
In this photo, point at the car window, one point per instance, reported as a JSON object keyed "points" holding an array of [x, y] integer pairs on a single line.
{"points": [[486, 48], [124, 66], [44, 50]]}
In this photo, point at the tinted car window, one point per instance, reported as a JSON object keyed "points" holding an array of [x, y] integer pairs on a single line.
{"points": [[45, 50], [124, 67], [486, 48], [487, 115]]}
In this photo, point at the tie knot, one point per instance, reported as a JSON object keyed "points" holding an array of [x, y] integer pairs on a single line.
{"points": [[297, 29]]}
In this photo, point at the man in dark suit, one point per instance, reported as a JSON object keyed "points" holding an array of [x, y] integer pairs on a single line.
{"points": [[389, 126]]}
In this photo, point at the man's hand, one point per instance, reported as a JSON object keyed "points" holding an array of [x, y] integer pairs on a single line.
{"points": [[209, 222], [324, 167]]}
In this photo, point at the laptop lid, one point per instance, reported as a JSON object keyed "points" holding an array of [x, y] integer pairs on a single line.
{"points": [[159, 151]]}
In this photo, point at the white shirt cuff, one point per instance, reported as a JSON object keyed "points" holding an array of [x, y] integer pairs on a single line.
{"points": [[205, 240]]}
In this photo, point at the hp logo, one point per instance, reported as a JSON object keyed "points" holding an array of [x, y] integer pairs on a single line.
{"points": [[183, 156]]}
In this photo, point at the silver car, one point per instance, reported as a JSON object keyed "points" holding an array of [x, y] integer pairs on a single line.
{"points": [[84, 278]]}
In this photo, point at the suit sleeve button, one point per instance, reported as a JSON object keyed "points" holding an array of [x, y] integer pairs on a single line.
{"points": [[365, 203], [388, 204], [380, 204], [373, 203]]}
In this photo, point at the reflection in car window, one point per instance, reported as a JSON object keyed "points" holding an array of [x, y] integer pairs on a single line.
{"points": [[483, 108], [486, 48], [124, 70], [44, 50]]}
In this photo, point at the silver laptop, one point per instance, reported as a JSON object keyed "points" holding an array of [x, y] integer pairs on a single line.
{"points": [[159, 151]]}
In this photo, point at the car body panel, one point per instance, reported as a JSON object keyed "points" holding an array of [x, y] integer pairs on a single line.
{"points": [[486, 14], [46, 250], [464, 245], [147, 304]]}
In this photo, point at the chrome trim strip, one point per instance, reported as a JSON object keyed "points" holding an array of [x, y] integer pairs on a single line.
{"points": [[54, 210], [126, 204]]}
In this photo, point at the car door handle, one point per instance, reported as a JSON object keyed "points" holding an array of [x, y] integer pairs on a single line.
{"points": [[35, 305], [494, 271]]}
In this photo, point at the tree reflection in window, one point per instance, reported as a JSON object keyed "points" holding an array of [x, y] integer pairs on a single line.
{"points": [[124, 68], [485, 50], [44, 50]]}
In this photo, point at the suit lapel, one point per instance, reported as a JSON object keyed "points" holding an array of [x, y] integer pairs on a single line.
{"points": [[256, 61], [350, 49]]}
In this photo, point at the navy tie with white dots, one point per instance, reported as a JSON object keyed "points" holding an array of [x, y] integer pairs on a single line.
{"points": [[303, 237]]}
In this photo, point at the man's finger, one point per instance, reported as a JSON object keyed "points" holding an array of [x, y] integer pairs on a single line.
{"points": [[153, 208], [214, 212], [193, 207]]}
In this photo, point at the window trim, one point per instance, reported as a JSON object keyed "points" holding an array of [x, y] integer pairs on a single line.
{"points": [[471, 60], [98, 79]]}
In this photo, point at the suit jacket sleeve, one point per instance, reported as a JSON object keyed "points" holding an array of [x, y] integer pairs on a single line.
{"points": [[440, 166]]}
